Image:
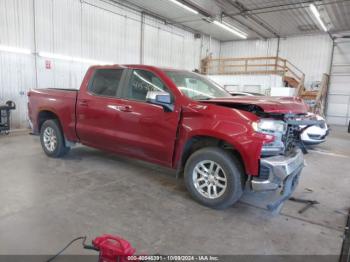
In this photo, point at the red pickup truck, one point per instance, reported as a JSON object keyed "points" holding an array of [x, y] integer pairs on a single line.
{"points": [[179, 119]]}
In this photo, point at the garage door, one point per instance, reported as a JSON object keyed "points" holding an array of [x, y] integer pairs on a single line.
{"points": [[338, 109]]}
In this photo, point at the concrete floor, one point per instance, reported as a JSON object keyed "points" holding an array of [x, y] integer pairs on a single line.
{"points": [[47, 202]]}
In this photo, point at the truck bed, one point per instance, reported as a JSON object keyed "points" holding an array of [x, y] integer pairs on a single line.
{"points": [[61, 102]]}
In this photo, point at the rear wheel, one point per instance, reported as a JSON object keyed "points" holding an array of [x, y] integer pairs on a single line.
{"points": [[213, 176], [52, 139]]}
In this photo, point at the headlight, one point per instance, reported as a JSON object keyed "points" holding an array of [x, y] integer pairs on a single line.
{"points": [[269, 126]]}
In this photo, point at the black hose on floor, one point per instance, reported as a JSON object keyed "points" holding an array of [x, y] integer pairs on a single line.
{"points": [[71, 242]]}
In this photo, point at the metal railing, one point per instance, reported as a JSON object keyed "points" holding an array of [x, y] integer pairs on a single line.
{"points": [[251, 65]]}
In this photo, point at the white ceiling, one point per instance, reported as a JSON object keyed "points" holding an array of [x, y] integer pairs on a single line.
{"points": [[258, 18]]}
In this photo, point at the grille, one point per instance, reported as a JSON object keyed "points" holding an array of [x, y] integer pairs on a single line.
{"points": [[291, 138], [314, 136]]}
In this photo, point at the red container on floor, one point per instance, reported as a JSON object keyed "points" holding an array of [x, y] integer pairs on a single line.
{"points": [[113, 248]]}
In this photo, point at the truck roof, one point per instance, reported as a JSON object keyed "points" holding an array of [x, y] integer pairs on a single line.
{"points": [[149, 67]]}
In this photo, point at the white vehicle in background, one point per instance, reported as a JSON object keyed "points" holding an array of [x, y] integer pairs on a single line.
{"points": [[311, 135], [315, 134]]}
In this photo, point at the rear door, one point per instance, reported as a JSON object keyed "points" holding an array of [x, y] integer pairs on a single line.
{"points": [[98, 110], [148, 131]]}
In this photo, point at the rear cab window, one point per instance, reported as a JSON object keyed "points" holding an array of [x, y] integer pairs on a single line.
{"points": [[106, 82]]}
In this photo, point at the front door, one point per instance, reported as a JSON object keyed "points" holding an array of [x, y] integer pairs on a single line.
{"points": [[147, 130]]}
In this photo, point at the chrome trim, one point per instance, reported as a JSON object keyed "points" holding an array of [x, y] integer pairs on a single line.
{"points": [[280, 168], [274, 148], [271, 150], [152, 95]]}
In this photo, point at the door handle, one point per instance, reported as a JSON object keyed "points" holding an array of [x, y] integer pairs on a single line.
{"points": [[83, 103], [126, 108]]}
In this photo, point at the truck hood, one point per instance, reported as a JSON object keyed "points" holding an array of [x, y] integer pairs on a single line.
{"points": [[279, 105]]}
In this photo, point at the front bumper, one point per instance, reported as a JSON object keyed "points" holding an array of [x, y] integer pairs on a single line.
{"points": [[283, 176]]}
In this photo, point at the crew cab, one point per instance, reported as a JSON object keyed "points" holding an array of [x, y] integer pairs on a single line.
{"points": [[182, 120]]}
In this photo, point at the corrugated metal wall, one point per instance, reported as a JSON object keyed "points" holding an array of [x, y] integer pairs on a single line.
{"points": [[209, 46], [170, 46], [17, 71], [311, 54], [248, 83], [90, 29], [338, 103], [249, 48]]}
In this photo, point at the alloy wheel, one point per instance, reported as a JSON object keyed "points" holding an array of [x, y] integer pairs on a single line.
{"points": [[50, 139], [209, 179]]}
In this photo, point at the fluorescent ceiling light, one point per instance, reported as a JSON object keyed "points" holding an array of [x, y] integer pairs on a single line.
{"points": [[15, 50], [231, 29], [184, 6], [318, 16], [73, 59], [235, 29]]}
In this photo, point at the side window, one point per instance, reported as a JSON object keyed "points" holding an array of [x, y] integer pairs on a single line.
{"points": [[105, 82], [141, 82]]}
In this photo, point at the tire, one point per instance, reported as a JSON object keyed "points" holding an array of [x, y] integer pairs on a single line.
{"points": [[56, 146], [231, 171]]}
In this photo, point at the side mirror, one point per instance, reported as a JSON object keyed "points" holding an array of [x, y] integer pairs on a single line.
{"points": [[160, 98]]}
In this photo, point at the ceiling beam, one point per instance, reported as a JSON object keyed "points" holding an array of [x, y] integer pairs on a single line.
{"points": [[285, 7], [154, 15], [245, 25], [223, 14], [244, 12], [290, 5]]}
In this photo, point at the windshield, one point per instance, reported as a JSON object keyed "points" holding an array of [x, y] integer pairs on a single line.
{"points": [[195, 86]]}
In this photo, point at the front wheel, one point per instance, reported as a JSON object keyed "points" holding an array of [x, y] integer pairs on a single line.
{"points": [[52, 139], [213, 176]]}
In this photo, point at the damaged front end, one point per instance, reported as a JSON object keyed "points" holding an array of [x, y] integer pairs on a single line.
{"points": [[282, 160], [281, 174]]}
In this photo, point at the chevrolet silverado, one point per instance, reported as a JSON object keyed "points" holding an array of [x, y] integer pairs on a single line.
{"points": [[179, 119]]}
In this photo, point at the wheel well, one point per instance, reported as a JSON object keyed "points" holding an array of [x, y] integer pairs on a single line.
{"points": [[45, 115], [198, 142]]}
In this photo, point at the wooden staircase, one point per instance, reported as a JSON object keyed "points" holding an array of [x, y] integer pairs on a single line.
{"points": [[316, 99], [290, 81], [292, 76]]}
